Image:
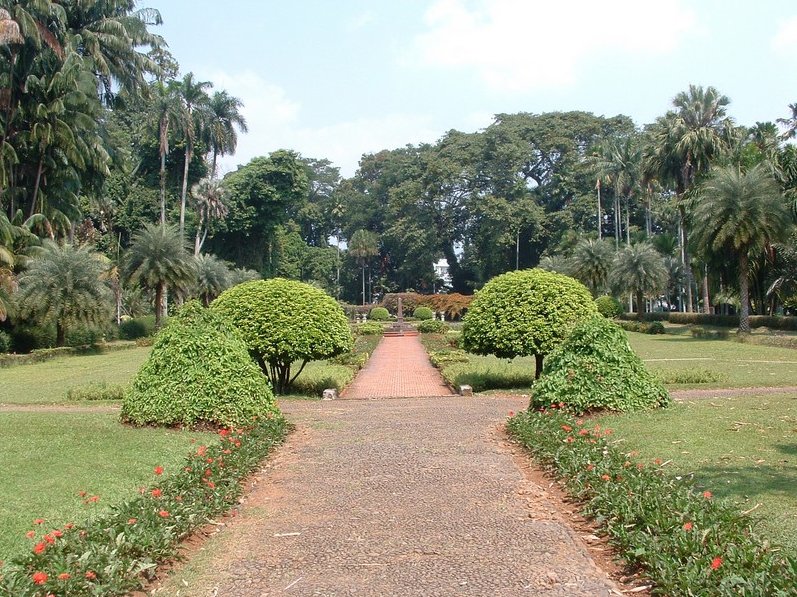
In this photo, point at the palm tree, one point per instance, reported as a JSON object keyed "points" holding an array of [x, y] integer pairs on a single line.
{"points": [[619, 163], [194, 99], [364, 245], [739, 214], [213, 278], [639, 269], [63, 286], [166, 110], [224, 114], [590, 263], [209, 195], [158, 259]]}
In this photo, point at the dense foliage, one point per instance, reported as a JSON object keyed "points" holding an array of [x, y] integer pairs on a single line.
{"points": [[199, 372], [379, 314], [432, 326], [423, 313], [608, 306], [596, 369], [525, 313], [283, 321]]}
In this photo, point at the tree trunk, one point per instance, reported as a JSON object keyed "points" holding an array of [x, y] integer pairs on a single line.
{"points": [[706, 298], [36, 187], [538, 365], [188, 151], [617, 220], [600, 219], [640, 305], [164, 149], [199, 240], [158, 304], [60, 334], [628, 220], [363, 285], [685, 258], [744, 295]]}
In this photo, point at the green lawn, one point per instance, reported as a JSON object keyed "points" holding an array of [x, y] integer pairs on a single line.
{"points": [[47, 382], [744, 449], [737, 365], [48, 458]]}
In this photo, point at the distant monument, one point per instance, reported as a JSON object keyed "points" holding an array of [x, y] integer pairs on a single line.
{"points": [[400, 328]]}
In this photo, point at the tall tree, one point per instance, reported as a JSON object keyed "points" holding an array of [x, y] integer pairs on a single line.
{"points": [[639, 269], [590, 263], [223, 116], [363, 246], [209, 195]]}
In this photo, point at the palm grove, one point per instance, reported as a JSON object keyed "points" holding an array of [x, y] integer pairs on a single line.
{"points": [[112, 204]]}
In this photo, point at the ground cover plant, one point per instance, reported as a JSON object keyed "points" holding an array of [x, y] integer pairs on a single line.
{"points": [[741, 448], [685, 540]]}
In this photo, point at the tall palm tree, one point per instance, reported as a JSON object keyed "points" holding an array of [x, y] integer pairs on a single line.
{"points": [[619, 163], [63, 286], [213, 277], [224, 114], [739, 214], [363, 245], [166, 110], [639, 269], [209, 195], [158, 259], [194, 99], [590, 263]]}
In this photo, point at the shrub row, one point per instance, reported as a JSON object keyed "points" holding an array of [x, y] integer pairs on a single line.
{"points": [[453, 305], [369, 328], [787, 323], [685, 541], [644, 327], [709, 334], [691, 376], [779, 341], [97, 391], [432, 326], [45, 354], [114, 553]]}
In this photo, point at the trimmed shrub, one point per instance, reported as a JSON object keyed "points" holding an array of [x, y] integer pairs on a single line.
{"points": [[608, 306], [652, 327], [454, 338], [690, 376], [596, 369], [525, 313], [379, 314], [369, 328], [423, 313], [283, 321], [139, 327], [432, 326], [97, 391], [655, 327], [5, 342], [199, 371], [708, 334]]}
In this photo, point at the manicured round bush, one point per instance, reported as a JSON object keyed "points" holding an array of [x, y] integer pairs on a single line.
{"points": [[608, 306], [369, 328], [596, 369], [199, 372], [379, 314], [655, 327], [284, 321], [524, 313], [423, 313], [432, 326]]}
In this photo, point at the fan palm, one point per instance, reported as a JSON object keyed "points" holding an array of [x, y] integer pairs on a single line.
{"points": [[158, 259], [738, 215], [590, 263], [619, 163], [224, 114], [639, 269], [213, 277], [363, 245], [209, 195], [63, 286]]}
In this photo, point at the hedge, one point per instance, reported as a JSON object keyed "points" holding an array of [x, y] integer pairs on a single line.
{"points": [[775, 322]]}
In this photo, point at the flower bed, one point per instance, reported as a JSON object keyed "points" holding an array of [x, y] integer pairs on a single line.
{"points": [[115, 553], [686, 542]]}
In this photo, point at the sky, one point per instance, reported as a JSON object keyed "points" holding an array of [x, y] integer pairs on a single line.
{"points": [[337, 79]]}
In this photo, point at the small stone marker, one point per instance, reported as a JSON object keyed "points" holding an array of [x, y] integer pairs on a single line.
{"points": [[330, 394], [465, 391]]}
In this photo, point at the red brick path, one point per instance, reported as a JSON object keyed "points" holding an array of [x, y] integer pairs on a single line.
{"points": [[399, 368]]}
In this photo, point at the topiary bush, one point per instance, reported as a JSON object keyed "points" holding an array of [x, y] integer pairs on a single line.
{"points": [[423, 313], [608, 306], [524, 313], [379, 314], [283, 321], [369, 328], [596, 369], [432, 326], [199, 372]]}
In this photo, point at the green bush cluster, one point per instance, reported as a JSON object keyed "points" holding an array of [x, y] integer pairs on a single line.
{"points": [[138, 327], [775, 322], [608, 306], [596, 369], [45, 354], [379, 314], [684, 540], [423, 313], [369, 328], [199, 371], [97, 391], [116, 552], [441, 358], [709, 334], [5, 342], [432, 326], [643, 327], [454, 338], [690, 376]]}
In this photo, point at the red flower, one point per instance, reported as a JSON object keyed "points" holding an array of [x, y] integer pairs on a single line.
{"points": [[64, 576], [657, 461], [567, 428], [579, 422], [707, 495], [211, 484], [200, 451], [30, 534], [227, 451], [156, 492], [569, 439], [49, 539], [38, 521], [158, 470], [90, 575], [39, 578], [39, 547], [687, 526], [57, 533], [132, 521], [93, 499], [81, 493], [224, 432], [208, 472], [606, 477], [583, 432], [716, 563], [590, 467], [69, 525], [511, 413], [164, 514]]}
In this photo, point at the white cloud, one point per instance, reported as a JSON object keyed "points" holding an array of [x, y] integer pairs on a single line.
{"points": [[275, 122], [520, 45], [785, 40]]}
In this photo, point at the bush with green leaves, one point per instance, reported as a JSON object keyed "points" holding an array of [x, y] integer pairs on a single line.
{"points": [[524, 313], [379, 314], [97, 391], [137, 327], [284, 321], [596, 369], [369, 328], [199, 372], [432, 326], [608, 306], [423, 313], [5, 342]]}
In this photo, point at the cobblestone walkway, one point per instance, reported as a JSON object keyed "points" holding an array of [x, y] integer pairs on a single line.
{"points": [[407, 497], [399, 368]]}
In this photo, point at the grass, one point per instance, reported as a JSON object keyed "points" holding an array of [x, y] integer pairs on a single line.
{"points": [[48, 382], [743, 449], [49, 457]]}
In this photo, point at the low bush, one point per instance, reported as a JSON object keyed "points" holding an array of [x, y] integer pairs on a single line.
{"points": [[45, 354], [608, 306], [595, 369], [690, 376], [369, 328], [709, 334], [139, 327], [685, 541], [643, 327], [379, 314], [441, 358], [454, 338], [5, 342], [777, 322], [432, 326], [777, 341], [319, 376], [114, 553], [423, 313], [97, 391]]}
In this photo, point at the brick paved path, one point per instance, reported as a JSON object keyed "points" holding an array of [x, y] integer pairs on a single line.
{"points": [[398, 368], [407, 497]]}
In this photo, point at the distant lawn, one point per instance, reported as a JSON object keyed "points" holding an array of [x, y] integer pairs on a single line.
{"points": [[47, 458], [47, 382], [738, 365], [743, 449]]}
